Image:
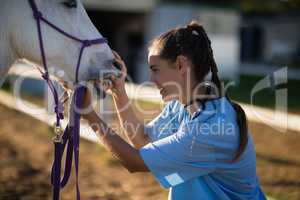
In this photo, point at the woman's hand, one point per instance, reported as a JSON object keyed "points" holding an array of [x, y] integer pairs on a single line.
{"points": [[118, 83], [87, 105]]}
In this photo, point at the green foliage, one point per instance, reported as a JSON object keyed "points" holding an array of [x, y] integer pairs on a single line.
{"points": [[270, 5], [266, 98]]}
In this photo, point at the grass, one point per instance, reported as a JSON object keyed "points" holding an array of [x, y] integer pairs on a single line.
{"points": [[241, 92]]}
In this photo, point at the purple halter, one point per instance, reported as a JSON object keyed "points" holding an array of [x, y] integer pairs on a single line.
{"points": [[71, 133]]}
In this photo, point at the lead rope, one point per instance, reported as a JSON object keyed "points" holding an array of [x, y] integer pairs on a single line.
{"points": [[71, 133]]}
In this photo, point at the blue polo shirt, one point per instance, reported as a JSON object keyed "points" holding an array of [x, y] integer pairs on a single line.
{"points": [[192, 154]]}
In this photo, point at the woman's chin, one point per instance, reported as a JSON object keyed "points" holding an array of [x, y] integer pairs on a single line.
{"points": [[169, 97]]}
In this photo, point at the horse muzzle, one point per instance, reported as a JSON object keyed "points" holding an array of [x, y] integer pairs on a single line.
{"points": [[102, 79]]}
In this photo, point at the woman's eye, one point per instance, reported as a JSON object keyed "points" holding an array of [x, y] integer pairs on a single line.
{"points": [[70, 4]]}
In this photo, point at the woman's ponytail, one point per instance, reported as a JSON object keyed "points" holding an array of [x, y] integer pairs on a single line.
{"points": [[243, 128], [240, 113]]}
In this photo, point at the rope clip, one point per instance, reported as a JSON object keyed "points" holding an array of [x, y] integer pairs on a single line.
{"points": [[58, 130]]}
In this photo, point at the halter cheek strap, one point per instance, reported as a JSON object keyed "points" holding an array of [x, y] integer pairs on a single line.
{"points": [[45, 75], [70, 135]]}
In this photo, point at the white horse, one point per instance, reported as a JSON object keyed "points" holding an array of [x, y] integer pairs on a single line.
{"points": [[19, 38]]}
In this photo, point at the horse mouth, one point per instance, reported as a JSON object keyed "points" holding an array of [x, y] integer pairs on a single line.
{"points": [[102, 82], [101, 87]]}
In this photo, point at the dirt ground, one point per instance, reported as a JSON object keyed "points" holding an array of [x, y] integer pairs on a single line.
{"points": [[26, 156]]}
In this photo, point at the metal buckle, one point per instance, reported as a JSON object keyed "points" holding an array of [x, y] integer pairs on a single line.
{"points": [[58, 130]]}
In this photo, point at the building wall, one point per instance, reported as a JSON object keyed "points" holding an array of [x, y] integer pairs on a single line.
{"points": [[280, 41], [120, 5]]}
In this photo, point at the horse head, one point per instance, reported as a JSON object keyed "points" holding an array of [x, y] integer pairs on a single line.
{"points": [[20, 39]]}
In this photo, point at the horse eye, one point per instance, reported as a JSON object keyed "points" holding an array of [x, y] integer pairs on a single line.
{"points": [[70, 4]]}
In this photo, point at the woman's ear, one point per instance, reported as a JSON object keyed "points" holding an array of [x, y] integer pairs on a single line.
{"points": [[182, 64]]}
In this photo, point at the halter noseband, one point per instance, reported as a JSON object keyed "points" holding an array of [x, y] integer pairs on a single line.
{"points": [[71, 134]]}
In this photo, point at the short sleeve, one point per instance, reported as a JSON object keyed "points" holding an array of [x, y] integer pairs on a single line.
{"points": [[197, 148], [156, 128], [176, 158]]}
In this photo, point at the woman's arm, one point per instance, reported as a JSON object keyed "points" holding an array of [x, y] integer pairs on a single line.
{"points": [[134, 128], [128, 155]]}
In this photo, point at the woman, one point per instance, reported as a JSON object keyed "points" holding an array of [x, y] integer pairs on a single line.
{"points": [[199, 145]]}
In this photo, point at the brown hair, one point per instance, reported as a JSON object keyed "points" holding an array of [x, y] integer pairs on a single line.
{"points": [[193, 42]]}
